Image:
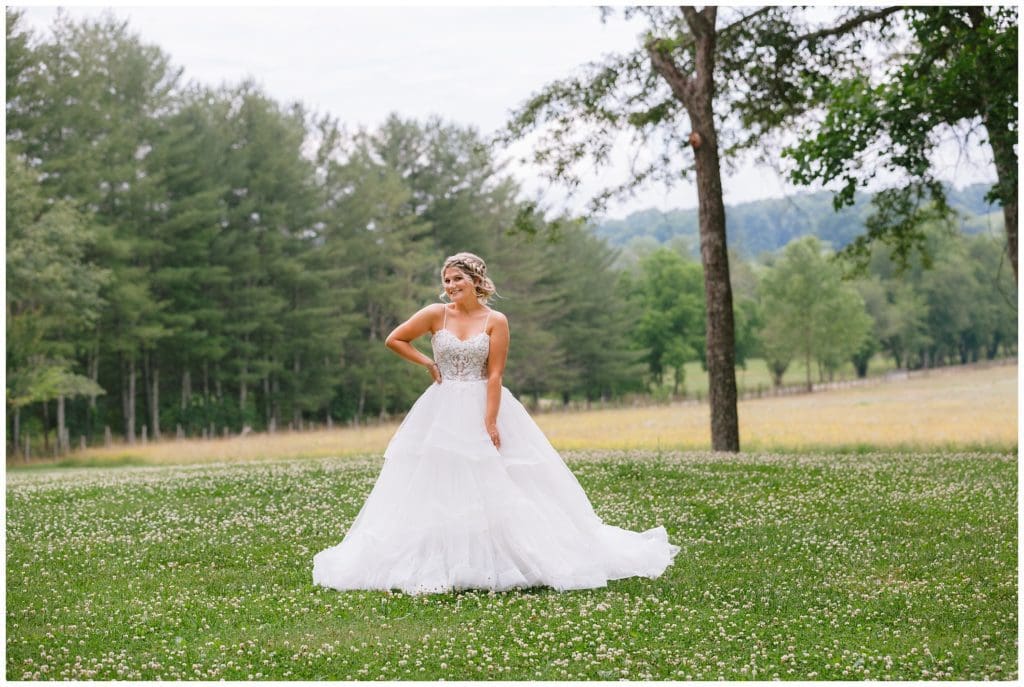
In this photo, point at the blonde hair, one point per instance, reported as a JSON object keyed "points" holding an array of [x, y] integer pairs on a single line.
{"points": [[474, 267]]}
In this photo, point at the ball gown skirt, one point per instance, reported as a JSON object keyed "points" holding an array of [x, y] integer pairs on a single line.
{"points": [[450, 511]]}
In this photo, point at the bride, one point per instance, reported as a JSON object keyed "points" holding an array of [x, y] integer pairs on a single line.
{"points": [[472, 494]]}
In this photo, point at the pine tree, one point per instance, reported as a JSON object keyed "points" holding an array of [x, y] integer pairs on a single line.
{"points": [[52, 298]]}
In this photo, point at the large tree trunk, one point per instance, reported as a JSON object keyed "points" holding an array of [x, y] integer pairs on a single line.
{"points": [[1002, 137], [696, 92], [721, 333], [1010, 217], [1006, 171]]}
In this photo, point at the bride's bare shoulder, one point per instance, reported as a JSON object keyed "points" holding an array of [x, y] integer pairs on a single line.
{"points": [[435, 312], [430, 314], [432, 309], [498, 317]]}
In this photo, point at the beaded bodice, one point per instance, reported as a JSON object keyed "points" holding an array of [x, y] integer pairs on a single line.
{"points": [[459, 360]]}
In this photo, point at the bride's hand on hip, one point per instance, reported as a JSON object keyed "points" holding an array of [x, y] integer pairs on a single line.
{"points": [[435, 372], [492, 432]]}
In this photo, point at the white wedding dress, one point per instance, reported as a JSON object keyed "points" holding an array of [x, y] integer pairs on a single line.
{"points": [[450, 511]]}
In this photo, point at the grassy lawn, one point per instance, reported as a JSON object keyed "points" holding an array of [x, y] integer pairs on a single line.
{"points": [[813, 566]]}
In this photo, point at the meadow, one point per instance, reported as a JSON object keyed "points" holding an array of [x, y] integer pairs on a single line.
{"points": [[813, 566]]}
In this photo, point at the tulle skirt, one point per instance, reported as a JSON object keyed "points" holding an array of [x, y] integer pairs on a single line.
{"points": [[450, 511]]}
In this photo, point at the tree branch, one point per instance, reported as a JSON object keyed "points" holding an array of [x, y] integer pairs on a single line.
{"points": [[727, 29], [702, 27], [848, 25], [682, 85], [745, 18], [698, 22]]}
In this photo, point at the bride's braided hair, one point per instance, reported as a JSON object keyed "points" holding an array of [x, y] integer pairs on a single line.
{"points": [[475, 268]]}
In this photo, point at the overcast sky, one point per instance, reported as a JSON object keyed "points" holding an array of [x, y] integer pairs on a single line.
{"points": [[470, 65]]}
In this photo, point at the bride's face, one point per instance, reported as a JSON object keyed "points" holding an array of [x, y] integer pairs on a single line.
{"points": [[459, 286]]}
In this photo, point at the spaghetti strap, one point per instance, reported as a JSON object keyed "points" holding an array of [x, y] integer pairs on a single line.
{"points": [[444, 324], [486, 320]]}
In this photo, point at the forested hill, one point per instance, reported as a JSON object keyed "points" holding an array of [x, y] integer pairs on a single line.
{"points": [[767, 225]]}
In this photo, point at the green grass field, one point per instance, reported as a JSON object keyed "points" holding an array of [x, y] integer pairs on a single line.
{"points": [[816, 566]]}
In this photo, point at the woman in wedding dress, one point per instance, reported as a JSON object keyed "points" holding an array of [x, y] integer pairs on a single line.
{"points": [[472, 494]]}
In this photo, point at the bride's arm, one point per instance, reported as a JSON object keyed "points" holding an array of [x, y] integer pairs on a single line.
{"points": [[495, 368], [416, 326]]}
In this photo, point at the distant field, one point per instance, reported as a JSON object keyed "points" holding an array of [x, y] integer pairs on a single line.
{"points": [[947, 408], [954, 407]]}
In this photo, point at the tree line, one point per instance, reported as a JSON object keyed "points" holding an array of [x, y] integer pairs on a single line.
{"points": [[191, 258], [186, 258]]}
